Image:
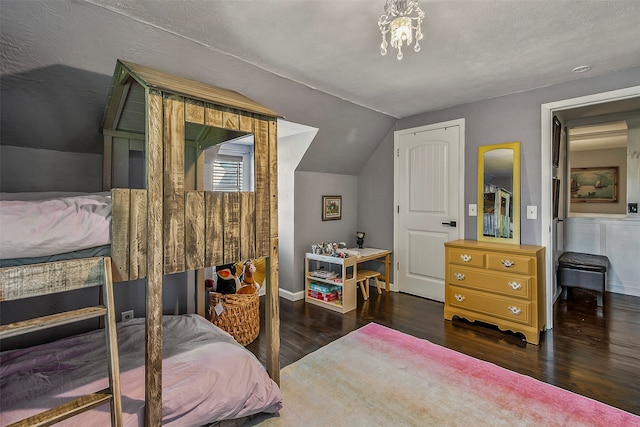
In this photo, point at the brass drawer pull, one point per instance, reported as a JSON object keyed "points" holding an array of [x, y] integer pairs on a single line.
{"points": [[507, 263], [515, 310], [465, 258], [515, 286], [459, 276], [459, 297]]}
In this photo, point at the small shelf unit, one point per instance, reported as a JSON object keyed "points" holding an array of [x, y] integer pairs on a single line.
{"points": [[345, 279]]}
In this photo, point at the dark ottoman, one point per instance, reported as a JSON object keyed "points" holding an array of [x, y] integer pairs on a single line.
{"points": [[585, 271]]}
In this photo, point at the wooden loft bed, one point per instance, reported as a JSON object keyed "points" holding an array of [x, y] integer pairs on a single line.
{"points": [[173, 225]]}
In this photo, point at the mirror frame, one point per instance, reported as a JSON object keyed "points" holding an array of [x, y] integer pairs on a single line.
{"points": [[515, 146]]}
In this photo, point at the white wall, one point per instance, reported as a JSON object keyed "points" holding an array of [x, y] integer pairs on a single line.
{"points": [[290, 151], [618, 240]]}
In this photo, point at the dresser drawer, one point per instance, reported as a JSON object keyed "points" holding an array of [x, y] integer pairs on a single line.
{"points": [[466, 257], [514, 285], [513, 310], [510, 263]]}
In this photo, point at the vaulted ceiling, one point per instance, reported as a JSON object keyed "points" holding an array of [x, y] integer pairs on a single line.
{"points": [[317, 62]]}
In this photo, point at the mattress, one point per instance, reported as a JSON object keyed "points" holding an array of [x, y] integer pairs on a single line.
{"points": [[207, 376], [45, 224]]}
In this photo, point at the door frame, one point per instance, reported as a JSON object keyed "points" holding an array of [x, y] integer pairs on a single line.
{"points": [[461, 152], [546, 205]]}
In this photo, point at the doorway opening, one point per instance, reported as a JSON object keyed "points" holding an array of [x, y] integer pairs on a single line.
{"points": [[606, 105]]}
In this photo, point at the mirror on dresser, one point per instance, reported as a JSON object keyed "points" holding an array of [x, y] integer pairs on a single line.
{"points": [[499, 193]]}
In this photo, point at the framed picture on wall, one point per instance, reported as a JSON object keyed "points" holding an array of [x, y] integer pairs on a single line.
{"points": [[599, 184], [331, 207], [557, 133]]}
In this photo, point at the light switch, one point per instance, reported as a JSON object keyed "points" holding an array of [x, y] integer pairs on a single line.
{"points": [[473, 210], [532, 212]]}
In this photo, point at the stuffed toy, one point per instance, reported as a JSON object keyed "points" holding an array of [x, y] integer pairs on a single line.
{"points": [[209, 285], [248, 284], [227, 282]]}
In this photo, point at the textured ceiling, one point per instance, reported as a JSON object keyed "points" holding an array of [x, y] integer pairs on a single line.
{"points": [[317, 62], [471, 50]]}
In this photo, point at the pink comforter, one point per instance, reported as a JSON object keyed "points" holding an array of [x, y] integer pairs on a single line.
{"points": [[35, 228], [207, 376]]}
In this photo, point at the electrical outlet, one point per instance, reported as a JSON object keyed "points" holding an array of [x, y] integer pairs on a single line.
{"points": [[127, 315], [633, 208], [473, 210], [532, 212]]}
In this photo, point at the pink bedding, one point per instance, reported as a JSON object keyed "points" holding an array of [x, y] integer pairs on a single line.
{"points": [[207, 376], [41, 224]]}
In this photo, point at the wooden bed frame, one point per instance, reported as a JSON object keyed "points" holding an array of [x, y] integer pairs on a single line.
{"points": [[173, 225]]}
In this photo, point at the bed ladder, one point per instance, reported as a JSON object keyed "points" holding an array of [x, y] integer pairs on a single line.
{"points": [[41, 279]]}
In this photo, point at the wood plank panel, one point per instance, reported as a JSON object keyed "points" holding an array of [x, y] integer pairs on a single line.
{"points": [[138, 236], [273, 177], [231, 226], [153, 320], [113, 360], [50, 321], [214, 240], [174, 232], [246, 122], [230, 119], [213, 115], [120, 228], [272, 314], [27, 281], [200, 276], [261, 144], [173, 140], [247, 225], [272, 291], [194, 111], [194, 230]]}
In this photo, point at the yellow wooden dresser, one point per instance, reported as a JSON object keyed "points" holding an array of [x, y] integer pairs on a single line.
{"points": [[496, 283]]}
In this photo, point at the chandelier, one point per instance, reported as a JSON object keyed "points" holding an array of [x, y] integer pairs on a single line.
{"points": [[398, 21]]}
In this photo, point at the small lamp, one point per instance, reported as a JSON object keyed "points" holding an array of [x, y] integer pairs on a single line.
{"points": [[360, 239]]}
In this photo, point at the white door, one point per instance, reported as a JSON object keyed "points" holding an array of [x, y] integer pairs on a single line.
{"points": [[429, 175]]}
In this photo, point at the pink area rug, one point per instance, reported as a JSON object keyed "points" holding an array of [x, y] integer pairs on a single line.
{"points": [[377, 376]]}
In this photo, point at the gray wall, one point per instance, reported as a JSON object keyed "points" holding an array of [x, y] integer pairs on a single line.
{"points": [[515, 117], [309, 227], [28, 169]]}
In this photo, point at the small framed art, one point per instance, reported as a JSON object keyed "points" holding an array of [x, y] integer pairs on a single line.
{"points": [[331, 207]]}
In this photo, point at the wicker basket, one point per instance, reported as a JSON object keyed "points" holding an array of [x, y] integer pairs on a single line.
{"points": [[241, 315]]}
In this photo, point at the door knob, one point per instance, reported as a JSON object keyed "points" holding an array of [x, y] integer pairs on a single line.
{"points": [[450, 223]]}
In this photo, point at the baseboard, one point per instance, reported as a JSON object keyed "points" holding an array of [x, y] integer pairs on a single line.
{"points": [[291, 296], [624, 288]]}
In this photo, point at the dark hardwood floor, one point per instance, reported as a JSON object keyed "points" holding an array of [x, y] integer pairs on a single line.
{"points": [[591, 351]]}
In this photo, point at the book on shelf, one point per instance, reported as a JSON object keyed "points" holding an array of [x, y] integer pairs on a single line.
{"points": [[324, 288], [333, 296], [324, 274]]}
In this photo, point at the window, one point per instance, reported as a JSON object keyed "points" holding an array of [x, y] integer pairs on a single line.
{"points": [[227, 173]]}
